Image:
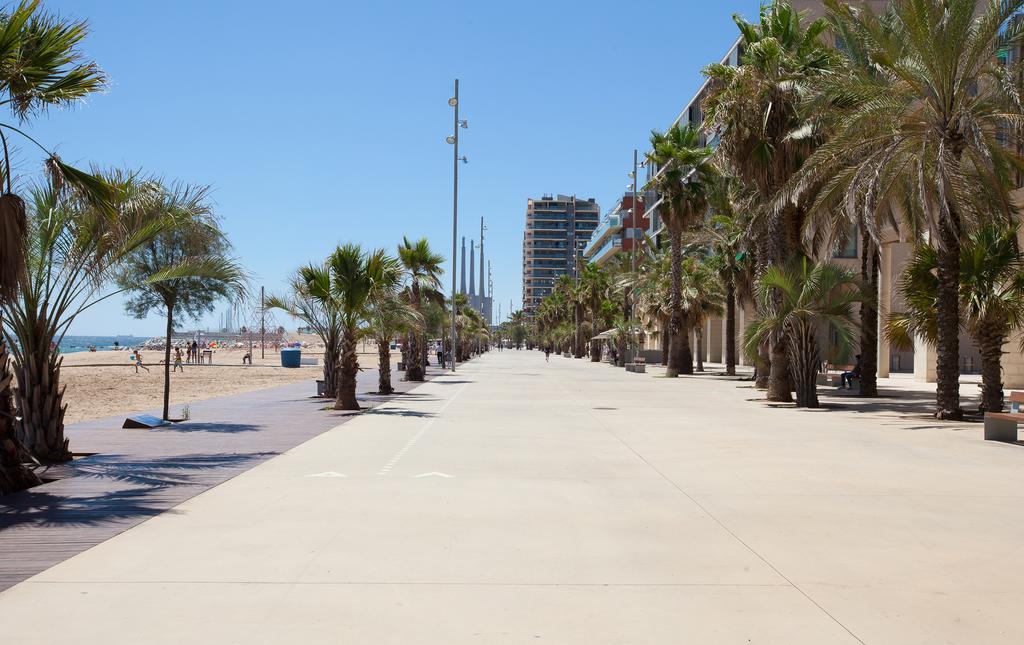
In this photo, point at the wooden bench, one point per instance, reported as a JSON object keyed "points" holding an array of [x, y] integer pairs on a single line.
{"points": [[1002, 426]]}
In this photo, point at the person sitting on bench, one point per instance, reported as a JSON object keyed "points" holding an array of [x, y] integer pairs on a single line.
{"points": [[848, 377]]}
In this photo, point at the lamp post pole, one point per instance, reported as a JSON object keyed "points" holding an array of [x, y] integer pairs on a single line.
{"points": [[454, 141], [632, 248]]}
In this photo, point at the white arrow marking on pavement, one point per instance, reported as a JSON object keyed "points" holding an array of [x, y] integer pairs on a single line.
{"points": [[329, 473], [445, 475]]}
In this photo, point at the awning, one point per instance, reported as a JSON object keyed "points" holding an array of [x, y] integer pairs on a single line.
{"points": [[605, 335]]}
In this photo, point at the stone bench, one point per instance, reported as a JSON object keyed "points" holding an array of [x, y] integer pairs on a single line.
{"points": [[638, 365], [1002, 426]]}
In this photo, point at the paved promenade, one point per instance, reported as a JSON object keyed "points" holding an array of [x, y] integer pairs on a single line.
{"points": [[569, 503], [134, 474]]}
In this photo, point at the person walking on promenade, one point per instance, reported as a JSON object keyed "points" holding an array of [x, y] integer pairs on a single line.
{"points": [[547, 353]]}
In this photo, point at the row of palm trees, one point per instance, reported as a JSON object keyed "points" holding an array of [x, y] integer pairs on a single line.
{"points": [[73, 238], [357, 294], [905, 122]]}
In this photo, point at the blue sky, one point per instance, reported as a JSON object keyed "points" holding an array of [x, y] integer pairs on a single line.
{"points": [[324, 122]]}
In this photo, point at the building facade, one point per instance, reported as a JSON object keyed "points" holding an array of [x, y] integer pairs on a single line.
{"points": [[558, 229], [619, 230]]}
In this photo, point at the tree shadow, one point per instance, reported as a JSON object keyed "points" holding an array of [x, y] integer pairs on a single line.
{"points": [[400, 413], [105, 489], [158, 472], [228, 428], [892, 402], [41, 509]]}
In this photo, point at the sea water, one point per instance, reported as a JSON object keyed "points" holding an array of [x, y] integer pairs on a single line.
{"points": [[72, 344]]}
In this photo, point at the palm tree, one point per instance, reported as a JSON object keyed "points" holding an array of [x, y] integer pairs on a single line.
{"points": [[702, 297], [194, 248], [925, 119], [75, 251], [389, 314], [764, 137], [355, 277], [991, 300], [683, 172], [424, 268], [651, 293], [813, 296], [44, 68], [312, 302], [594, 285], [727, 233]]}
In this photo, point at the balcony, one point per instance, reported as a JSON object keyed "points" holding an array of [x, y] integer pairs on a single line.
{"points": [[609, 228], [605, 252]]}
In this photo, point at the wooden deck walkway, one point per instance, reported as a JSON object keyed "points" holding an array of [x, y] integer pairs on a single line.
{"points": [[136, 474]]}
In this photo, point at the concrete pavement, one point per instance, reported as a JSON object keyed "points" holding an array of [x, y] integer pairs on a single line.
{"points": [[565, 502]]}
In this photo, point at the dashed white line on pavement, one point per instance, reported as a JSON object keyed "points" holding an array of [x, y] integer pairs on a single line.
{"points": [[386, 469]]}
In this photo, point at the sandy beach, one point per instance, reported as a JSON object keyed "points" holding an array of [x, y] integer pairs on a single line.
{"points": [[104, 383]]}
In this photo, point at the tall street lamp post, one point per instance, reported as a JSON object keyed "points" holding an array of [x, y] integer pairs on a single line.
{"points": [[634, 236], [453, 140]]}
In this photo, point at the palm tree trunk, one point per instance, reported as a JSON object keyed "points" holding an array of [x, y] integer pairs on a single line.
{"points": [[666, 342], [990, 338], [947, 313], [730, 328], [700, 348], [167, 362], [869, 260], [39, 399], [764, 359], [331, 367], [778, 371], [14, 475], [680, 358], [414, 357], [595, 345], [803, 359], [577, 345], [347, 373], [384, 368]]}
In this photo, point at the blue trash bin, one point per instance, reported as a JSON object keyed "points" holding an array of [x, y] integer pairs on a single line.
{"points": [[291, 357]]}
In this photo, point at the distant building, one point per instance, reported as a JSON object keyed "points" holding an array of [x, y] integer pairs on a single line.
{"points": [[482, 301], [558, 229]]}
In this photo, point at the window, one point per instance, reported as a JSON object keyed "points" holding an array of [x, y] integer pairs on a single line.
{"points": [[848, 248]]}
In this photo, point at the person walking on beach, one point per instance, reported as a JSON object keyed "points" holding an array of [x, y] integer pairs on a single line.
{"points": [[177, 360], [138, 362], [547, 353]]}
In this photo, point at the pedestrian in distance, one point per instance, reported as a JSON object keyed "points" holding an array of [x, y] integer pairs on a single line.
{"points": [[547, 353], [847, 378], [177, 361], [138, 362]]}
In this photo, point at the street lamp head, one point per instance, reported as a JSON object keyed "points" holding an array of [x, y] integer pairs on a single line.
{"points": [[632, 175], [450, 139], [463, 159], [453, 101]]}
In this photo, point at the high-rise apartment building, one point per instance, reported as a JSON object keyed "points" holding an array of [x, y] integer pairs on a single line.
{"points": [[558, 228]]}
